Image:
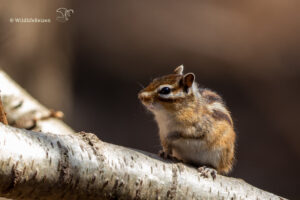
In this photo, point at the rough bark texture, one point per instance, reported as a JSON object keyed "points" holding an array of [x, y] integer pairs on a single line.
{"points": [[67, 165], [25, 112], [80, 166]]}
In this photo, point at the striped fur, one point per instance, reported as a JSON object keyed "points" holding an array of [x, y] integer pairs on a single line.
{"points": [[194, 124]]}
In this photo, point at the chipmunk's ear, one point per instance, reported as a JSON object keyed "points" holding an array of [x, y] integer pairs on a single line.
{"points": [[179, 70], [188, 80]]}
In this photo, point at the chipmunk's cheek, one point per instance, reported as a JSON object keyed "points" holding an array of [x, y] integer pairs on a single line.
{"points": [[153, 106], [148, 104]]}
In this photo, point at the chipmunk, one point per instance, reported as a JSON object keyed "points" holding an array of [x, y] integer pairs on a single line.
{"points": [[194, 124]]}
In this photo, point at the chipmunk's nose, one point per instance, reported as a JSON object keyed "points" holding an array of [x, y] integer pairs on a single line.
{"points": [[144, 96]]}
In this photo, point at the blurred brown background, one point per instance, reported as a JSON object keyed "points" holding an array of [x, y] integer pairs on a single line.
{"points": [[91, 67]]}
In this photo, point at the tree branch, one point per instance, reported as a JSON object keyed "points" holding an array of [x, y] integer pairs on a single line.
{"points": [[80, 166], [23, 111], [67, 165]]}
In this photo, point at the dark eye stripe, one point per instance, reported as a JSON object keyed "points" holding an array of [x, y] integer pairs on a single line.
{"points": [[171, 100], [175, 89]]}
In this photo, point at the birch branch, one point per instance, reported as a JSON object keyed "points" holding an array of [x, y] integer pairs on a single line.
{"points": [[80, 166], [67, 165], [23, 111]]}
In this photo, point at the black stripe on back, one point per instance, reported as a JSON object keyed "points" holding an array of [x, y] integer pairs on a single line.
{"points": [[213, 98], [219, 115]]}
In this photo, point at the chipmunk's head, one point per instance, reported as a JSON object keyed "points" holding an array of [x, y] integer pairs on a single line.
{"points": [[169, 92]]}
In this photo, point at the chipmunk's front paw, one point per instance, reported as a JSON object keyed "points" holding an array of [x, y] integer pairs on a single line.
{"points": [[206, 172], [163, 154]]}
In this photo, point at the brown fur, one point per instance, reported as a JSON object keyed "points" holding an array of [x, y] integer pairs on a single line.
{"points": [[195, 116], [168, 79], [210, 96], [218, 115]]}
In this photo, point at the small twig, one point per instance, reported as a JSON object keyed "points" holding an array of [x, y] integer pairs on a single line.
{"points": [[20, 107], [2, 113]]}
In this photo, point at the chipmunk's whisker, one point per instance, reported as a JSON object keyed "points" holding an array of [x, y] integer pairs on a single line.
{"points": [[141, 85]]}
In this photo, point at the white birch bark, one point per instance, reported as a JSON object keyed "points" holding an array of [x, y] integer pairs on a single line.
{"points": [[21, 109], [80, 166], [57, 163]]}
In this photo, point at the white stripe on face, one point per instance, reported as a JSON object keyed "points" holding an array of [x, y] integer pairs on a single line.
{"points": [[146, 94]]}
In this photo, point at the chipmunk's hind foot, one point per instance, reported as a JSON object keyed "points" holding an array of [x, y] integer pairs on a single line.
{"points": [[207, 172]]}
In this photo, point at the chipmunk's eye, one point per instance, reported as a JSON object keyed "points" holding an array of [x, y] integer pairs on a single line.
{"points": [[165, 90]]}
